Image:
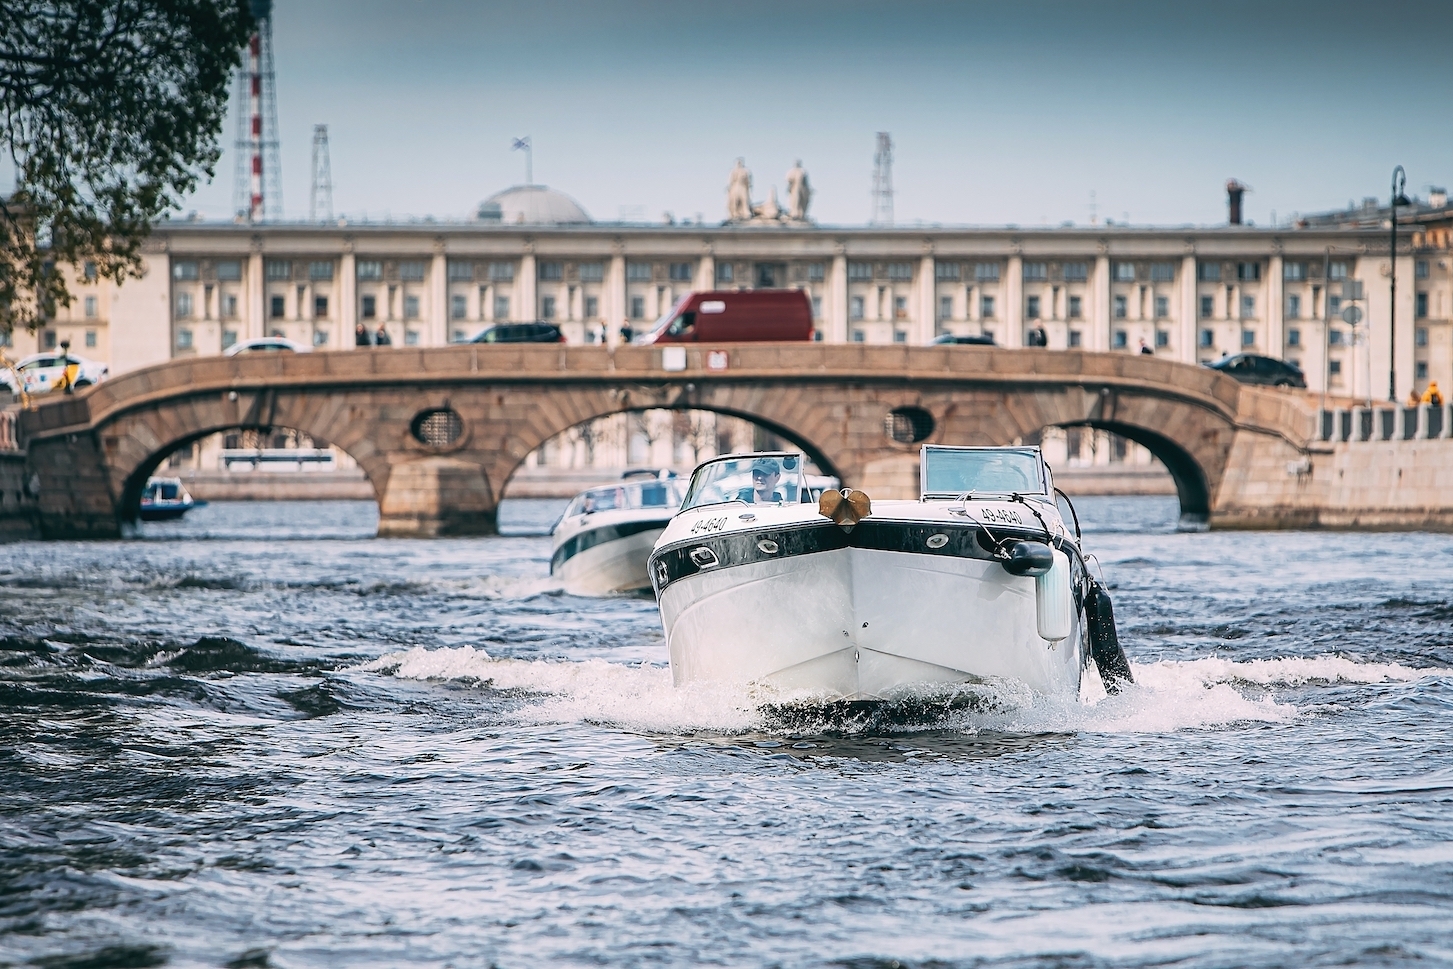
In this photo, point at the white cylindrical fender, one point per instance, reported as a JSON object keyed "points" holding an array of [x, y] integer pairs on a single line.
{"points": [[1053, 601]]}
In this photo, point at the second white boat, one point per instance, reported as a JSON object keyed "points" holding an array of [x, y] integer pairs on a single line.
{"points": [[605, 536]]}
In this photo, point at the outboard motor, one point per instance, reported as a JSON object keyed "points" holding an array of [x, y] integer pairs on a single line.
{"points": [[1104, 641]]}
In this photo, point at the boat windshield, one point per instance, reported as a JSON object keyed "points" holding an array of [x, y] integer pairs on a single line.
{"points": [[754, 479], [628, 495], [953, 471]]}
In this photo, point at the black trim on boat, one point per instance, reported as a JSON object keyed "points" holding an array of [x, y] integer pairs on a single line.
{"points": [[581, 541]]}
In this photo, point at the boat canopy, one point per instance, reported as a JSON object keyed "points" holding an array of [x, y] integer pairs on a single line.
{"points": [[948, 472], [628, 495], [764, 478]]}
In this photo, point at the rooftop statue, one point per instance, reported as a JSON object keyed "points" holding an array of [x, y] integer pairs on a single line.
{"points": [[799, 193], [739, 193]]}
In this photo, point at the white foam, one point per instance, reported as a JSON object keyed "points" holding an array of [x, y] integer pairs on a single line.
{"points": [[1167, 696]]}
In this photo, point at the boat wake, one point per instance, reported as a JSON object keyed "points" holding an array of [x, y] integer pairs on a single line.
{"points": [[1167, 696]]}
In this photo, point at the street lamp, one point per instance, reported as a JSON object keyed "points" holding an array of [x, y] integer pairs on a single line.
{"points": [[1399, 181]]}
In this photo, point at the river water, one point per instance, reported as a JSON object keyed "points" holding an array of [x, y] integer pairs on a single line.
{"points": [[262, 738]]}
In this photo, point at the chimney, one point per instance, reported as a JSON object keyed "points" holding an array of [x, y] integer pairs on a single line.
{"points": [[1234, 191]]}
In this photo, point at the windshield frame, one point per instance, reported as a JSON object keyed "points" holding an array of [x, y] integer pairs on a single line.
{"points": [[674, 487], [1043, 488], [701, 478]]}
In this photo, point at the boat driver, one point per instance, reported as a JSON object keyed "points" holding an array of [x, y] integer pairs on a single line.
{"points": [[766, 472]]}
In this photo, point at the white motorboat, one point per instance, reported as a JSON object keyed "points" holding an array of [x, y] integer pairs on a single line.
{"points": [[604, 538], [166, 499], [978, 581]]}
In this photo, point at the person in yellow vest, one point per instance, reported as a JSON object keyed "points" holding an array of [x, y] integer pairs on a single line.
{"points": [[1431, 396], [70, 369]]}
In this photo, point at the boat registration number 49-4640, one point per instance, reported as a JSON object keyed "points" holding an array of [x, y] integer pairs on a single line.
{"points": [[1004, 516], [708, 525]]}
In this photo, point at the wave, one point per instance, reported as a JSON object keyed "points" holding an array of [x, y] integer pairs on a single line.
{"points": [[1168, 696]]}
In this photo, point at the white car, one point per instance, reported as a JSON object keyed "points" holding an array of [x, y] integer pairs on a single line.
{"points": [[267, 344], [40, 373]]}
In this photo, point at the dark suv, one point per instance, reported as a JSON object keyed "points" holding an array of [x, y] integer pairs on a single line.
{"points": [[537, 332], [1249, 368], [949, 339]]}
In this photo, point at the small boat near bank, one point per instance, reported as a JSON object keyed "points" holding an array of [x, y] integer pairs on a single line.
{"points": [[605, 536], [166, 499], [979, 580]]}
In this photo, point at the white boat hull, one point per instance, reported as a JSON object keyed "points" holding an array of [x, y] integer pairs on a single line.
{"points": [[863, 623], [616, 566]]}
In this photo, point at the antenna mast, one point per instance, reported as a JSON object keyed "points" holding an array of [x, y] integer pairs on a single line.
{"points": [[320, 201], [258, 191], [523, 144], [883, 181]]}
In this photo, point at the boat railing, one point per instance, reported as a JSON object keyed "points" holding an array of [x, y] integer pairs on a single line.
{"points": [[628, 496]]}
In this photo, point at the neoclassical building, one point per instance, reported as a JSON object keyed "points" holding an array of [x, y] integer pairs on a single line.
{"points": [[1191, 293]]}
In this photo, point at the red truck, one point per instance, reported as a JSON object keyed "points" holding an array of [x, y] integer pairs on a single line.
{"points": [[742, 317]]}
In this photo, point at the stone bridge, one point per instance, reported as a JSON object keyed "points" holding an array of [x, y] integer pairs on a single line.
{"points": [[440, 431]]}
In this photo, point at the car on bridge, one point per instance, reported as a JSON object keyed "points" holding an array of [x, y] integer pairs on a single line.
{"points": [[1252, 368], [537, 332], [266, 344], [40, 373], [949, 339]]}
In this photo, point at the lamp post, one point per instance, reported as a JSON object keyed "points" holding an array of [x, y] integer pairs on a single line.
{"points": [[1399, 181]]}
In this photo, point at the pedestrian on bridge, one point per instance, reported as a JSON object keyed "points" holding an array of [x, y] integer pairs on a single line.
{"points": [[360, 336], [381, 338]]}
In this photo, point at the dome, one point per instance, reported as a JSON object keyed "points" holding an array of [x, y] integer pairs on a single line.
{"points": [[531, 205]]}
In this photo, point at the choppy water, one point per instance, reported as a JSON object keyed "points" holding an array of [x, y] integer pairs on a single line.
{"points": [[255, 751]]}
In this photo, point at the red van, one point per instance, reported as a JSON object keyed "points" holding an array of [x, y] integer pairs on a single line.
{"points": [[744, 317]]}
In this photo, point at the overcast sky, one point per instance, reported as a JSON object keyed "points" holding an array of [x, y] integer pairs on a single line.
{"points": [[1002, 112]]}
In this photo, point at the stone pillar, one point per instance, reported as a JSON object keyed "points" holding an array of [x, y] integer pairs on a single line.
{"points": [[1185, 352], [256, 297], [1100, 305], [1014, 302], [438, 328], [927, 327], [706, 273], [436, 496], [1423, 413], [1276, 340], [347, 300], [525, 308], [615, 303], [837, 300]]}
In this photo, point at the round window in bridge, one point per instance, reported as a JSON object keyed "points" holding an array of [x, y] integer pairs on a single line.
{"points": [[437, 427], [908, 425]]}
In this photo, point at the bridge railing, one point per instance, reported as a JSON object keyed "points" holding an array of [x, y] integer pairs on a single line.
{"points": [[10, 430], [1387, 422]]}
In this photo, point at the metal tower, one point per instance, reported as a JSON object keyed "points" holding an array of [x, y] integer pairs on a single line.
{"points": [[883, 181], [320, 200], [258, 191]]}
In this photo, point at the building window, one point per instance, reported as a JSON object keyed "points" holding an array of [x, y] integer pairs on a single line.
{"points": [[1162, 338], [1125, 272], [320, 271], [638, 307], [320, 307], [501, 272], [766, 275], [186, 270], [411, 307], [1420, 370], [1334, 367], [1248, 307], [1294, 306], [370, 307], [369, 269], [411, 271], [88, 270], [1248, 338], [1294, 337], [1076, 272], [90, 339], [278, 269], [680, 272], [945, 307], [592, 272], [1208, 272], [946, 271], [411, 338], [1337, 270], [1420, 336], [986, 307], [900, 307], [1248, 272], [1031, 307], [551, 271], [1076, 339], [638, 272], [1335, 338], [1162, 307], [900, 336], [1420, 269], [817, 307], [1334, 305], [1036, 272], [1162, 272], [501, 307], [858, 336], [547, 307], [277, 306], [723, 272], [184, 304], [184, 339], [816, 272], [90, 307], [461, 272], [856, 307], [1294, 272], [900, 272], [229, 271], [1420, 306], [987, 272], [1120, 307], [1075, 308], [1122, 340], [47, 339], [592, 307], [458, 307], [860, 271], [1208, 338]]}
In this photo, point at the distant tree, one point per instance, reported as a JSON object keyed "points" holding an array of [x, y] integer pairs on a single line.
{"points": [[110, 112]]}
